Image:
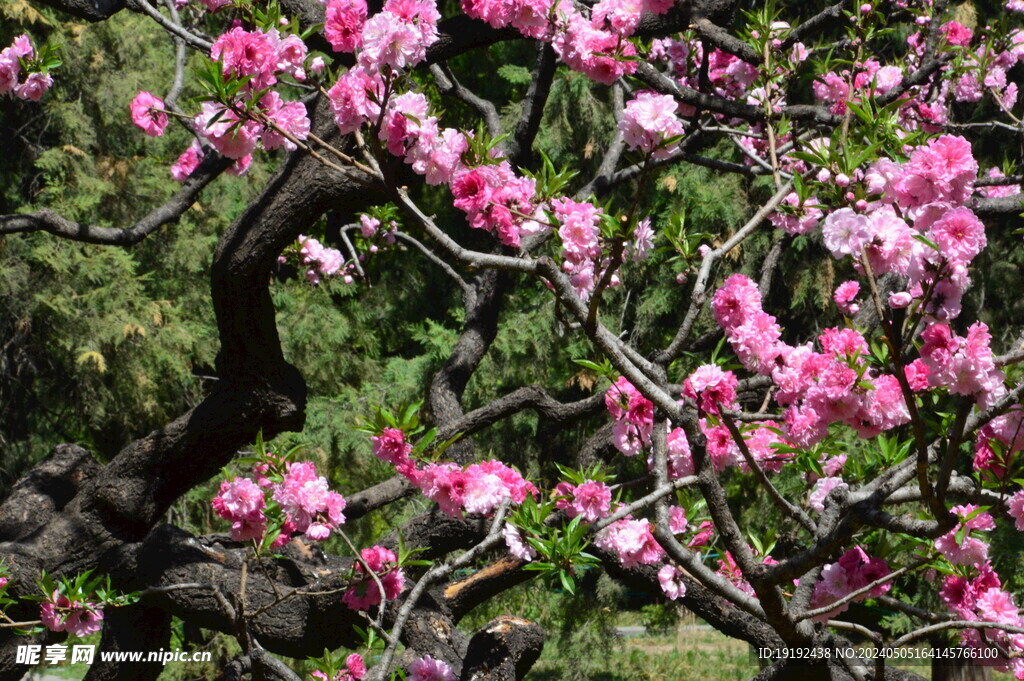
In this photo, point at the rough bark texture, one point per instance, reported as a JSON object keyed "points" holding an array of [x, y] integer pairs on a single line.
{"points": [[504, 650]]}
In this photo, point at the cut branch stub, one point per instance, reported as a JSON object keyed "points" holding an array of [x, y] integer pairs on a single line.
{"points": [[504, 650]]}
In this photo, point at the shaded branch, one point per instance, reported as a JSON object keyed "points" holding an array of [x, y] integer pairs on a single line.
{"points": [[49, 221]]}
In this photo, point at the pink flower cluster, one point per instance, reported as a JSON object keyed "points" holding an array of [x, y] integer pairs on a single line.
{"points": [[23, 84], [395, 38], [479, 488], [322, 261], [517, 546], [304, 498], [495, 199], [194, 155], [273, 122], [355, 670], [711, 388], [844, 296], [78, 618], [854, 570], [796, 216], [364, 593], [670, 578], [818, 388], [981, 598], [970, 550], [633, 414], [236, 128], [821, 490], [596, 47], [998, 442], [259, 56], [632, 541], [870, 79], [962, 365], [390, 447], [580, 233], [648, 121]]}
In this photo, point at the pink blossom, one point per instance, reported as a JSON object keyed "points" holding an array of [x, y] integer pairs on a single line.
{"points": [[956, 33], [355, 666], [483, 492], [854, 570], [943, 170], [443, 483], [649, 120], [238, 498], [228, 136], [406, 114], [353, 98], [516, 546], [246, 53], [959, 235], [594, 52], [845, 232], [821, 491], [22, 47], [629, 438], [996, 605], [10, 70], [1015, 507], [677, 522], [703, 536], [970, 550], [308, 502], [343, 24], [290, 117], [844, 296], [78, 618], [428, 669], [439, 157], [712, 388], [631, 540], [720, 446], [736, 301], [671, 580], [147, 114], [365, 594], [677, 454], [390, 446], [390, 41], [997, 191], [618, 16], [291, 56], [34, 87], [187, 162], [802, 216], [591, 501]]}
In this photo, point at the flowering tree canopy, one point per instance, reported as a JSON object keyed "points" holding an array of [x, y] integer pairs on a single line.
{"points": [[883, 435]]}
